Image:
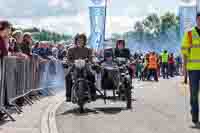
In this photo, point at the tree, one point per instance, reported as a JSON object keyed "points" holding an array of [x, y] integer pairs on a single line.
{"points": [[139, 30], [152, 25], [168, 20], [155, 33], [31, 30]]}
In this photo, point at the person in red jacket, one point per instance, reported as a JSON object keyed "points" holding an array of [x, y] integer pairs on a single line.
{"points": [[5, 30], [171, 63]]}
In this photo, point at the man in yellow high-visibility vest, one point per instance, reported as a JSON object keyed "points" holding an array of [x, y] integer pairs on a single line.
{"points": [[165, 57], [191, 54]]}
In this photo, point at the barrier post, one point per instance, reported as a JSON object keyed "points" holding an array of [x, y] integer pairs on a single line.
{"points": [[2, 96]]}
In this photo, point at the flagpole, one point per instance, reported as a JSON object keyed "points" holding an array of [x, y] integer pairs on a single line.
{"points": [[106, 2]]}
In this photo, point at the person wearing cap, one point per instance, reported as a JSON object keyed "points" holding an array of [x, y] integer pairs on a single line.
{"points": [[190, 49]]}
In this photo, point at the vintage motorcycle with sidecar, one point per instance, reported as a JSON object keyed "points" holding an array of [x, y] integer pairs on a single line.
{"points": [[115, 78]]}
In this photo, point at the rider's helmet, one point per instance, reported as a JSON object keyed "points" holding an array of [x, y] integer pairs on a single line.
{"points": [[120, 44]]}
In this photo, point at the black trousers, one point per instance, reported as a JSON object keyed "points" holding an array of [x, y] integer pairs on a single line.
{"points": [[165, 70], [194, 78], [171, 70], [153, 72]]}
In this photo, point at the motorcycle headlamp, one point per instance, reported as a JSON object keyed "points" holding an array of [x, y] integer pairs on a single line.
{"points": [[80, 63]]}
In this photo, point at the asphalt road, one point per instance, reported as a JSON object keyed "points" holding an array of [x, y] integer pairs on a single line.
{"points": [[161, 107]]}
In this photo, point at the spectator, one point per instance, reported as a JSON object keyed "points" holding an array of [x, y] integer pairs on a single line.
{"points": [[165, 59], [139, 69], [178, 65], [61, 52], [17, 43], [171, 63], [145, 70], [36, 48], [54, 52], [26, 44], [5, 30], [50, 49], [11, 48], [44, 50], [18, 36], [153, 66]]}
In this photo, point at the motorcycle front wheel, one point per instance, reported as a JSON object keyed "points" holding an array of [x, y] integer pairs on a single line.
{"points": [[128, 96], [81, 95]]}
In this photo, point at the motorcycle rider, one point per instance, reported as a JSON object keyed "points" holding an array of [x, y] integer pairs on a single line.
{"points": [[79, 51], [121, 51], [108, 80]]}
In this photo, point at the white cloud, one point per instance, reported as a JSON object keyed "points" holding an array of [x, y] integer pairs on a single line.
{"points": [[120, 24], [152, 9], [59, 3], [72, 15], [53, 3]]}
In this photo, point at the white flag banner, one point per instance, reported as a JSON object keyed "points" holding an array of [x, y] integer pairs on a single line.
{"points": [[198, 5], [187, 14], [97, 24]]}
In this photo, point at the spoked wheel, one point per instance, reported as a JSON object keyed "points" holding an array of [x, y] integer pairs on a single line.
{"points": [[81, 95]]}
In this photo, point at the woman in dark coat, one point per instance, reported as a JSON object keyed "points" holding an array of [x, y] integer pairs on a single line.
{"points": [[5, 30]]}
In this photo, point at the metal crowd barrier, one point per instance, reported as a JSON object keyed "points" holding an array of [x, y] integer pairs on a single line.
{"points": [[18, 77]]}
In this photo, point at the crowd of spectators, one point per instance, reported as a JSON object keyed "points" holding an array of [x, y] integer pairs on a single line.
{"points": [[141, 63], [20, 45]]}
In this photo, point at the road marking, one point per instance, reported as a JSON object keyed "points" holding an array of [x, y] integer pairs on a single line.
{"points": [[48, 121]]}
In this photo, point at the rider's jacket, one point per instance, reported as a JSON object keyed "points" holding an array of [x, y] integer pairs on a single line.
{"points": [[79, 53], [125, 53]]}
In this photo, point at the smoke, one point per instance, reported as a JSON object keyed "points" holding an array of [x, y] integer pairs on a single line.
{"points": [[53, 77], [166, 41]]}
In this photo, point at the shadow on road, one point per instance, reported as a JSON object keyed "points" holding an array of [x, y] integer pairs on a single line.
{"points": [[110, 110], [76, 111], [2, 122], [197, 127], [107, 110]]}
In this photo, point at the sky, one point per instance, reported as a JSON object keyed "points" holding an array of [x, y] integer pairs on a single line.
{"points": [[72, 16]]}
